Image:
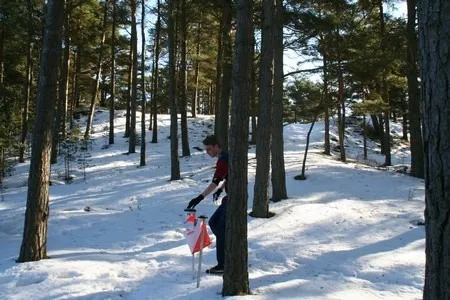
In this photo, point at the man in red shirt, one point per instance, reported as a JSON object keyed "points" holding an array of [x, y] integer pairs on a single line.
{"points": [[217, 220]]}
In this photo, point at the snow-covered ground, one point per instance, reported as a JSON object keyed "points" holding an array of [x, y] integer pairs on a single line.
{"points": [[347, 232]]}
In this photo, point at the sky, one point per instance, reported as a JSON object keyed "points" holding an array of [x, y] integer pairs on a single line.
{"points": [[347, 232]]}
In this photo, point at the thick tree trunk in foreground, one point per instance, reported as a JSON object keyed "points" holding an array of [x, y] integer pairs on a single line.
{"points": [[434, 45], [34, 242], [235, 277]]}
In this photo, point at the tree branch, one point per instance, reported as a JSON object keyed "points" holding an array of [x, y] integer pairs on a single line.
{"points": [[302, 71]]}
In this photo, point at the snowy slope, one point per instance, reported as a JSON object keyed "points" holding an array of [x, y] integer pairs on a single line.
{"points": [[344, 233]]}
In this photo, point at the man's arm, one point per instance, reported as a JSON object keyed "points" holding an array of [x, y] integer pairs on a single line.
{"points": [[211, 187]]}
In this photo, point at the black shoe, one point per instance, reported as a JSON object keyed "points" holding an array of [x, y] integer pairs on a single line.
{"points": [[215, 270]]}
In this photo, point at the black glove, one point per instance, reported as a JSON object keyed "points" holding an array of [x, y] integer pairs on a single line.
{"points": [[195, 201], [217, 194]]}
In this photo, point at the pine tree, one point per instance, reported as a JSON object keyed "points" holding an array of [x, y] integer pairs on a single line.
{"points": [[34, 242], [263, 142], [235, 278], [434, 42]]}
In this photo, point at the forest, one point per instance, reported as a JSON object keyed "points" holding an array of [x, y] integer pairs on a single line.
{"points": [[60, 60]]}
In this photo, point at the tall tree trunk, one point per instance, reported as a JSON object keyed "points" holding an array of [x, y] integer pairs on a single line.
{"points": [[2, 54], [59, 128], [87, 133], [152, 88], [326, 103], [175, 163], [235, 278], [143, 91], [156, 79], [227, 67], [196, 71], [27, 86], [340, 75], [2, 97], [364, 128], [113, 74], [385, 92], [70, 100], [218, 77], [129, 92], [182, 82], [279, 191], [434, 45], [65, 71], [76, 94], [415, 131], [253, 91], [211, 99], [132, 139], [341, 100], [404, 112], [263, 142], [341, 112], [34, 242]]}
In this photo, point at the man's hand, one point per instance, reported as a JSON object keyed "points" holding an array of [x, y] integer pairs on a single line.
{"points": [[217, 194], [195, 201]]}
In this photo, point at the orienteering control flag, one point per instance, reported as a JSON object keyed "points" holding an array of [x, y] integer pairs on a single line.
{"points": [[193, 237]]}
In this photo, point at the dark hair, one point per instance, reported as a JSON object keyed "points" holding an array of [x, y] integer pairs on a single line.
{"points": [[211, 140]]}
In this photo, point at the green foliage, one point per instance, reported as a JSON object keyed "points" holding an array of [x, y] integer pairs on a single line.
{"points": [[9, 120], [370, 106], [305, 100]]}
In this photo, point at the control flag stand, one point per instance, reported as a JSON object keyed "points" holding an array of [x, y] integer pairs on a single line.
{"points": [[197, 238]]}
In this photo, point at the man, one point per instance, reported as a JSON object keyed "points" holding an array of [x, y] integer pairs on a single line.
{"points": [[217, 220]]}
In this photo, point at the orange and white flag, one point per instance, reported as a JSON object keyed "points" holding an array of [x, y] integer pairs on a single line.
{"points": [[193, 237]]}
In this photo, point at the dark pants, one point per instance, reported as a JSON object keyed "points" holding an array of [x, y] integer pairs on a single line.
{"points": [[217, 225]]}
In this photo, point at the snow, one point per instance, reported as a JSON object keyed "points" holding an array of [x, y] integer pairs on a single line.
{"points": [[349, 231]]}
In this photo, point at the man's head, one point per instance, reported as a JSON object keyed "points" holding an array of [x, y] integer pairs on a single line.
{"points": [[212, 146]]}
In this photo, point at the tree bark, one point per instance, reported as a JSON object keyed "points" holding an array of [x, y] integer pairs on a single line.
{"points": [[279, 191], [263, 143], [364, 129], [414, 114], [341, 107], [156, 79], [182, 82], [76, 93], [195, 99], [385, 92], [253, 91], [434, 45], [235, 278], [341, 100], [71, 101], [227, 68], [218, 77], [133, 101], [34, 242], [59, 128], [326, 103], [143, 90], [2, 97], [113, 74], [175, 163], [129, 92]]}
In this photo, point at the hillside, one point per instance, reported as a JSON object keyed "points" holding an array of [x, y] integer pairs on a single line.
{"points": [[348, 232]]}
